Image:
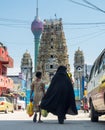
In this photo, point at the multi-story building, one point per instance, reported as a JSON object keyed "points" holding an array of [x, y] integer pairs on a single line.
{"points": [[5, 62]]}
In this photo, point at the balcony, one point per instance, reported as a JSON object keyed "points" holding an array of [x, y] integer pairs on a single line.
{"points": [[6, 82], [5, 59], [3, 54], [10, 62]]}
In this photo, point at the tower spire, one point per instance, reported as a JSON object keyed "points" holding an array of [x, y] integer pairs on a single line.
{"points": [[37, 28], [37, 9]]}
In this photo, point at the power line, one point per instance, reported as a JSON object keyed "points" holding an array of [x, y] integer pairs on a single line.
{"points": [[88, 34], [96, 23], [83, 28], [14, 25], [14, 20], [87, 3], [89, 38], [20, 22], [81, 4], [94, 6]]}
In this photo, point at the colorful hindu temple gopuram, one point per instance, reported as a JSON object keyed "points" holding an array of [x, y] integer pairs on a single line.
{"points": [[53, 49]]}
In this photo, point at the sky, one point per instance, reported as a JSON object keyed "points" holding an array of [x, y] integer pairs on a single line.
{"points": [[83, 25]]}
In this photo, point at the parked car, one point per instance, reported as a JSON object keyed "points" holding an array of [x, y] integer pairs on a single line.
{"points": [[21, 104], [96, 88], [6, 105]]}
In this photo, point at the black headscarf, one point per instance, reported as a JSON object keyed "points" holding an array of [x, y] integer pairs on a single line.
{"points": [[59, 98]]}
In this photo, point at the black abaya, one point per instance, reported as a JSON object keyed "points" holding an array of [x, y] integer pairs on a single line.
{"points": [[59, 97]]}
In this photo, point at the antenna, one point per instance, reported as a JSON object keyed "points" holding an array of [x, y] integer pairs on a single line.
{"points": [[37, 9]]}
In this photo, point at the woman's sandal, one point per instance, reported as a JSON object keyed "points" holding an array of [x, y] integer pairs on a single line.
{"points": [[40, 121]]}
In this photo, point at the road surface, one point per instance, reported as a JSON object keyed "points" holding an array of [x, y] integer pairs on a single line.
{"points": [[19, 120]]}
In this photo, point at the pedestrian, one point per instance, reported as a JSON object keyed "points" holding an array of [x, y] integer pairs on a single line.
{"points": [[85, 105], [59, 98], [38, 87]]}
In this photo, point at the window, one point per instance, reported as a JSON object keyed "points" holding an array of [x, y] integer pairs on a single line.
{"points": [[51, 39], [8, 100], [102, 63], [52, 56], [92, 72], [51, 47], [1, 99], [96, 70], [51, 66], [104, 60]]}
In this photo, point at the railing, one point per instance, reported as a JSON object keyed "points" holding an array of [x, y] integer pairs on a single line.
{"points": [[3, 54], [5, 59], [6, 82]]}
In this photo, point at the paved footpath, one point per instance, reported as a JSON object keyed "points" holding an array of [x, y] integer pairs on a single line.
{"points": [[21, 121], [22, 115]]}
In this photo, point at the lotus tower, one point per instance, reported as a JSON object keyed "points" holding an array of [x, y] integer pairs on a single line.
{"points": [[36, 28]]}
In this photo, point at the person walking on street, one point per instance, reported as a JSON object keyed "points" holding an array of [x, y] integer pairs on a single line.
{"points": [[38, 87], [59, 98], [85, 105]]}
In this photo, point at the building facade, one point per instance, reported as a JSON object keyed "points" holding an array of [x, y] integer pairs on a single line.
{"points": [[6, 61]]}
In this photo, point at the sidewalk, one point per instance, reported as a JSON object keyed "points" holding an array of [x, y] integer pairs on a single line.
{"points": [[81, 116]]}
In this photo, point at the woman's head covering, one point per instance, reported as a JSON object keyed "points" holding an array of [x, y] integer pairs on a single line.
{"points": [[61, 68], [38, 74]]}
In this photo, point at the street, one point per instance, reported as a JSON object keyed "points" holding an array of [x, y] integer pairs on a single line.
{"points": [[19, 120]]}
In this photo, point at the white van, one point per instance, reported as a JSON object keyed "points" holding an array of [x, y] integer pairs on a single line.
{"points": [[21, 104], [96, 88]]}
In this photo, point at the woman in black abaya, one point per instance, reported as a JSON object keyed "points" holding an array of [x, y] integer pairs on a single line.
{"points": [[59, 98]]}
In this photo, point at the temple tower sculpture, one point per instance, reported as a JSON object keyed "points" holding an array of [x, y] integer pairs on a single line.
{"points": [[79, 74], [78, 63], [53, 49], [26, 71], [36, 28]]}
